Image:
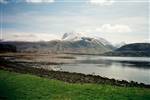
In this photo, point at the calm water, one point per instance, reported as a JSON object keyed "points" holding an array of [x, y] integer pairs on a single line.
{"points": [[122, 68]]}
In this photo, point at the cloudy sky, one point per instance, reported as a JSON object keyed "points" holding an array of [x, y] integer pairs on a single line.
{"points": [[115, 20]]}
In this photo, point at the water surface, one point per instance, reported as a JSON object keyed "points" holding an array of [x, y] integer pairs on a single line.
{"points": [[122, 68]]}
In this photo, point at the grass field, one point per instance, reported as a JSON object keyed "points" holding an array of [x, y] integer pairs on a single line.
{"points": [[15, 86]]}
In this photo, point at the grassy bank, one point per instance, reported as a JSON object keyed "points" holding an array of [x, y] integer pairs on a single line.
{"points": [[15, 86]]}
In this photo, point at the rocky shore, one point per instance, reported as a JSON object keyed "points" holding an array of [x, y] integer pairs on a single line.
{"points": [[66, 76]]}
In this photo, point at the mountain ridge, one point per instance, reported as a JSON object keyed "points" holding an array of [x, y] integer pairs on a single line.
{"points": [[133, 49], [77, 44]]}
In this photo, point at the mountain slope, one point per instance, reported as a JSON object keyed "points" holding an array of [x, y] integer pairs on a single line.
{"points": [[70, 43], [7, 48], [71, 36], [135, 49]]}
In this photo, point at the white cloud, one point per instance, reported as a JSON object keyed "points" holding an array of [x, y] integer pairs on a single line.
{"points": [[107, 28], [28, 1], [102, 2], [3, 1], [39, 1], [117, 28], [127, 38], [30, 37]]}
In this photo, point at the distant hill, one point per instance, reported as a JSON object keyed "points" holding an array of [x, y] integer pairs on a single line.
{"points": [[70, 43], [7, 48], [135, 49]]}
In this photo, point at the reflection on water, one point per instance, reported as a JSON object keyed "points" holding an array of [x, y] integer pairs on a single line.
{"points": [[145, 65], [123, 68]]}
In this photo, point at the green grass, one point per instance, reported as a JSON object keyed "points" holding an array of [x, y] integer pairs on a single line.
{"points": [[15, 86]]}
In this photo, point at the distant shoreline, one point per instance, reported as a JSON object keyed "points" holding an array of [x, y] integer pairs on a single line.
{"points": [[67, 76]]}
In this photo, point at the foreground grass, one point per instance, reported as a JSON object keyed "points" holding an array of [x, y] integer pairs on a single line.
{"points": [[15, 86]]}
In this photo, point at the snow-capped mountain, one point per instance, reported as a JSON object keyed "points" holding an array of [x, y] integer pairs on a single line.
{"points": [[72, 36], [79, 36], [70, 43]]}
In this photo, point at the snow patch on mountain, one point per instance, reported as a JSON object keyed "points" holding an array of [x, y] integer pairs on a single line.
{"points": [[81, 36], [72, 36]]}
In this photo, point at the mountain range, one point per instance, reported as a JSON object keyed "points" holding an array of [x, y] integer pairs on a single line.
{"points": [[76, 43], [70, 43]]}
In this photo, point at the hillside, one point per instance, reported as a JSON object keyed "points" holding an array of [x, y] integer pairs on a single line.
{"points": [[7, 48], [135, 49], [70, 43]]}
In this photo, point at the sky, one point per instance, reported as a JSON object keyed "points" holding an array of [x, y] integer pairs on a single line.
{"points": [[37, 20]]}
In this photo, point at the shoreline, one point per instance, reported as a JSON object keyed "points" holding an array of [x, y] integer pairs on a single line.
{"points": [[67, 76]]}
